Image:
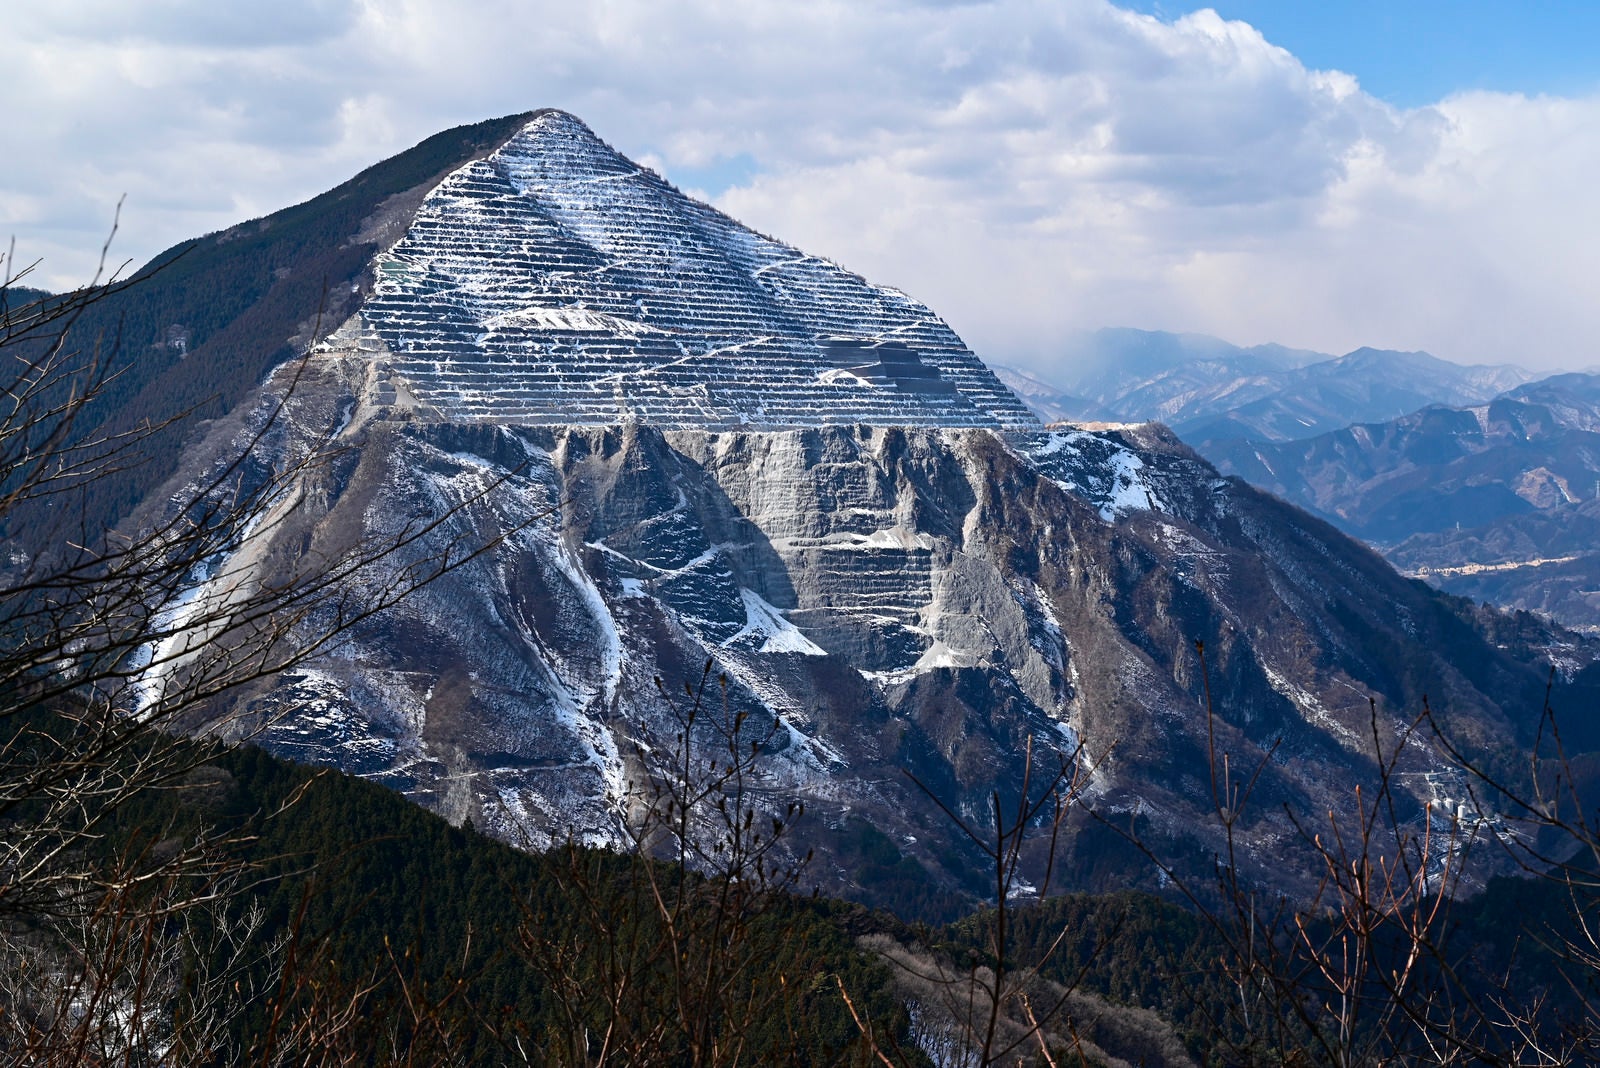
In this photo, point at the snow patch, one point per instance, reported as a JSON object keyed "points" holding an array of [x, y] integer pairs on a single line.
{"points": [[572, 319], [1313, 709], [940, 655], [763, 620], [1095, 467], [843, 376]]}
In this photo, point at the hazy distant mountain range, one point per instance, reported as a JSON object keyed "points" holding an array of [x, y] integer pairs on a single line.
{"points": [[1496, 501], [1481, 480], [1534, 449], [1206, 389]]}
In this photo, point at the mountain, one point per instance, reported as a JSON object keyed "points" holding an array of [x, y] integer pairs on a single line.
{"points": [[1543, 561], [17, 295], [1110, 362], [1049, 402], [1206, 389], [206, 320], [662, 449], [1363, 385], [1533, 449], [558, 281], [1494, 501]]}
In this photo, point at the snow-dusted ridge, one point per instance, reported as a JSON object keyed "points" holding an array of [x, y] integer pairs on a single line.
{"points": [[556, 282], [1094, 466]]}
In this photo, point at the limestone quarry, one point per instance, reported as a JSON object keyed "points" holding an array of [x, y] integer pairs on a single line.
{"points": [[672, 442]]}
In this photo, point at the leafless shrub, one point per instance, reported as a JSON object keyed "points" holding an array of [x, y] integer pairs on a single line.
{"points": [[111, 639], [152, 971], [674, 959], [1368, 970], [945, 1020], [990, 1010]]}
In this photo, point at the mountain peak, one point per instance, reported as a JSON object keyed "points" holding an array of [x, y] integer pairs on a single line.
{"points": [[558, 282], [556, 145], [555, 122]]}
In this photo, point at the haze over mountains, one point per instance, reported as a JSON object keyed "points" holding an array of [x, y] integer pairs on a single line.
{"points": [[1205, 389], [1533, 449], [682, 443], [1481, 483], [1493, 501]]}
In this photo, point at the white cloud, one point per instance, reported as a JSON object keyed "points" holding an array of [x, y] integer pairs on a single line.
{"points": [[1025, 166]]}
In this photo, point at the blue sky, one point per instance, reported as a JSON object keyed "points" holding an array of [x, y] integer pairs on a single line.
{"points": [[1322, 175], [1414, 52]]}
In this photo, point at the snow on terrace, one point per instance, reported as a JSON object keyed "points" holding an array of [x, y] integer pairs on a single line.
{"points": [[575, 320], [558, 282]]}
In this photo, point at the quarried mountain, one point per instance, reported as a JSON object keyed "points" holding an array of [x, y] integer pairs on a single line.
{"points": [[205, 321], [556, 281], [1206, 389], [676, 446]]}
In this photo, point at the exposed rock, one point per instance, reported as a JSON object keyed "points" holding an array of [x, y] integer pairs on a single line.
{"points": [[881, 601], [557, 282], [651, 440]]}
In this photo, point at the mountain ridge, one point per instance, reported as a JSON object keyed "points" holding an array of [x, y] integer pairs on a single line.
{"points": [[1207, 389], [906, 576], [206, 321], [1531, 448]]}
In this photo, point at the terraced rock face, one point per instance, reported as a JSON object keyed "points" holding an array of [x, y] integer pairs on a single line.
{"points": [[880, 601], [556, 282], [628, 403]]}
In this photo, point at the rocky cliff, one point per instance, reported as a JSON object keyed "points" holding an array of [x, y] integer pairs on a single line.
{"points": [[881, 600], [655, 441]]}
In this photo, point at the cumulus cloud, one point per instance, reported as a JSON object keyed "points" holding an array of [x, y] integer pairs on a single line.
{"points": [[1027, 167]]}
